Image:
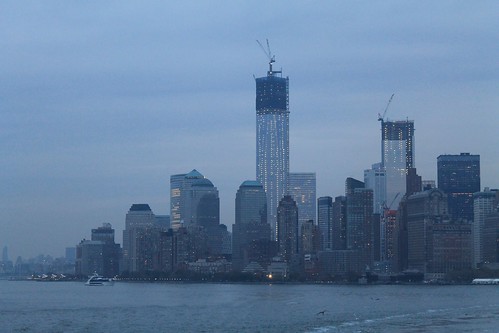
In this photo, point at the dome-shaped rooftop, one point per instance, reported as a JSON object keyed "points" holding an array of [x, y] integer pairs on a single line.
{"points": [[204, 182]]}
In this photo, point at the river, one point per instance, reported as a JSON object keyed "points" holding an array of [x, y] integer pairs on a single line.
{"points": [[27, 306]]}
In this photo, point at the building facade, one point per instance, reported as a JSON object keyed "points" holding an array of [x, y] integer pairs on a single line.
{"points": [[302, 187], [397, 148], [484, 204], [272, 140], [459, 177], [251, 228], [325, 221], [287, 229]]}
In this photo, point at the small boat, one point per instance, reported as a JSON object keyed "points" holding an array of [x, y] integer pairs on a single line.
{"points": [[97, 280]]}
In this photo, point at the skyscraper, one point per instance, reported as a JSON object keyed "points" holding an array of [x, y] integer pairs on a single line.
{"points": [[459, 177], [272, 139], [360, 233], [397, 154], [302, 187], [193, 200], [325, 221], [251, 228], [287, 233], [484, 204]]}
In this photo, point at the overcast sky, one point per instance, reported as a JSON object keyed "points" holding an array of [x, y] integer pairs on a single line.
{"points": [[101, 101]]}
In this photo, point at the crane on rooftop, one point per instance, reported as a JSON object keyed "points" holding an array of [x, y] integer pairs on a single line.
{"points": [[269, 56], [382, 117]]}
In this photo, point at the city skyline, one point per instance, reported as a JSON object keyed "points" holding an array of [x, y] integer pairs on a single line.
{"points": [[102, 105]]}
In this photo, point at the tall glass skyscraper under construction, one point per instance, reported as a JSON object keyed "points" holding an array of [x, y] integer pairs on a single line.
{"points": [[272, 139], [397, 145]]}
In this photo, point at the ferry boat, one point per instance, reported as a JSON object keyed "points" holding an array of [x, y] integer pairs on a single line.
{"points": [[97, 280], [485, 281]]}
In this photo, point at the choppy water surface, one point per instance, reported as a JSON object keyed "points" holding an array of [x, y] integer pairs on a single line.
{"points": [[144, 307]]}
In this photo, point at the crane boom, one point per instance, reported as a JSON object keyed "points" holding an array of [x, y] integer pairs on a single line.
{"points": [[382, 117], [268, 53]]}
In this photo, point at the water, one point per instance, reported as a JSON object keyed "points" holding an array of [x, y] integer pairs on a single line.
{"points": [[143, 307]]}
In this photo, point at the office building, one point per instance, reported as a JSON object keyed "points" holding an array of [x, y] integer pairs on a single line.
{"points": [[138, 246], [397, 147], [437, 244], [339, 232], [99, 255], [251, 232], [302, 188], [325, 221], [459, 178], [287, 229], [272, 139], [359, 213], [193, 200], [484, 204]]}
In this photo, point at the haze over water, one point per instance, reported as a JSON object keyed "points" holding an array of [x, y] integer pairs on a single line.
{"points": [[148, 307]]}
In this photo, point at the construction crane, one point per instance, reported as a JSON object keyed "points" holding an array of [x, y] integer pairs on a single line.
{"points": [[382, 117], [269, 56]]}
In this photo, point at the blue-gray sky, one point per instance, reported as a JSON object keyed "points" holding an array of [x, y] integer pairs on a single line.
{"points": [[101, 102]]}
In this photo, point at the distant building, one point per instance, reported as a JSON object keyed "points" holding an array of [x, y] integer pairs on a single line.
{"points": [[359, 214], [302, 188], [437, 244], [272, 140], [325, 221], [398, 147], [287, 229], [100, 254], [251, 228], [138, 246], [459, 178], [484, 204], [339, 231], [310, 238]]}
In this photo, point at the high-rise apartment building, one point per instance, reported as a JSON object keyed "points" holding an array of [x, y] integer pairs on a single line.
{"points": [[302, 188], [459, 178], [272, 139]]}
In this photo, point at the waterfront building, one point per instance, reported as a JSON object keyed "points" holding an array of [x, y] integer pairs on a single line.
{"points": [[484, 204], [137, 245], [302, 188], [251, 228], [459, 178], [100, 254], [437, 244], [272, 139], [491, 239]]}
